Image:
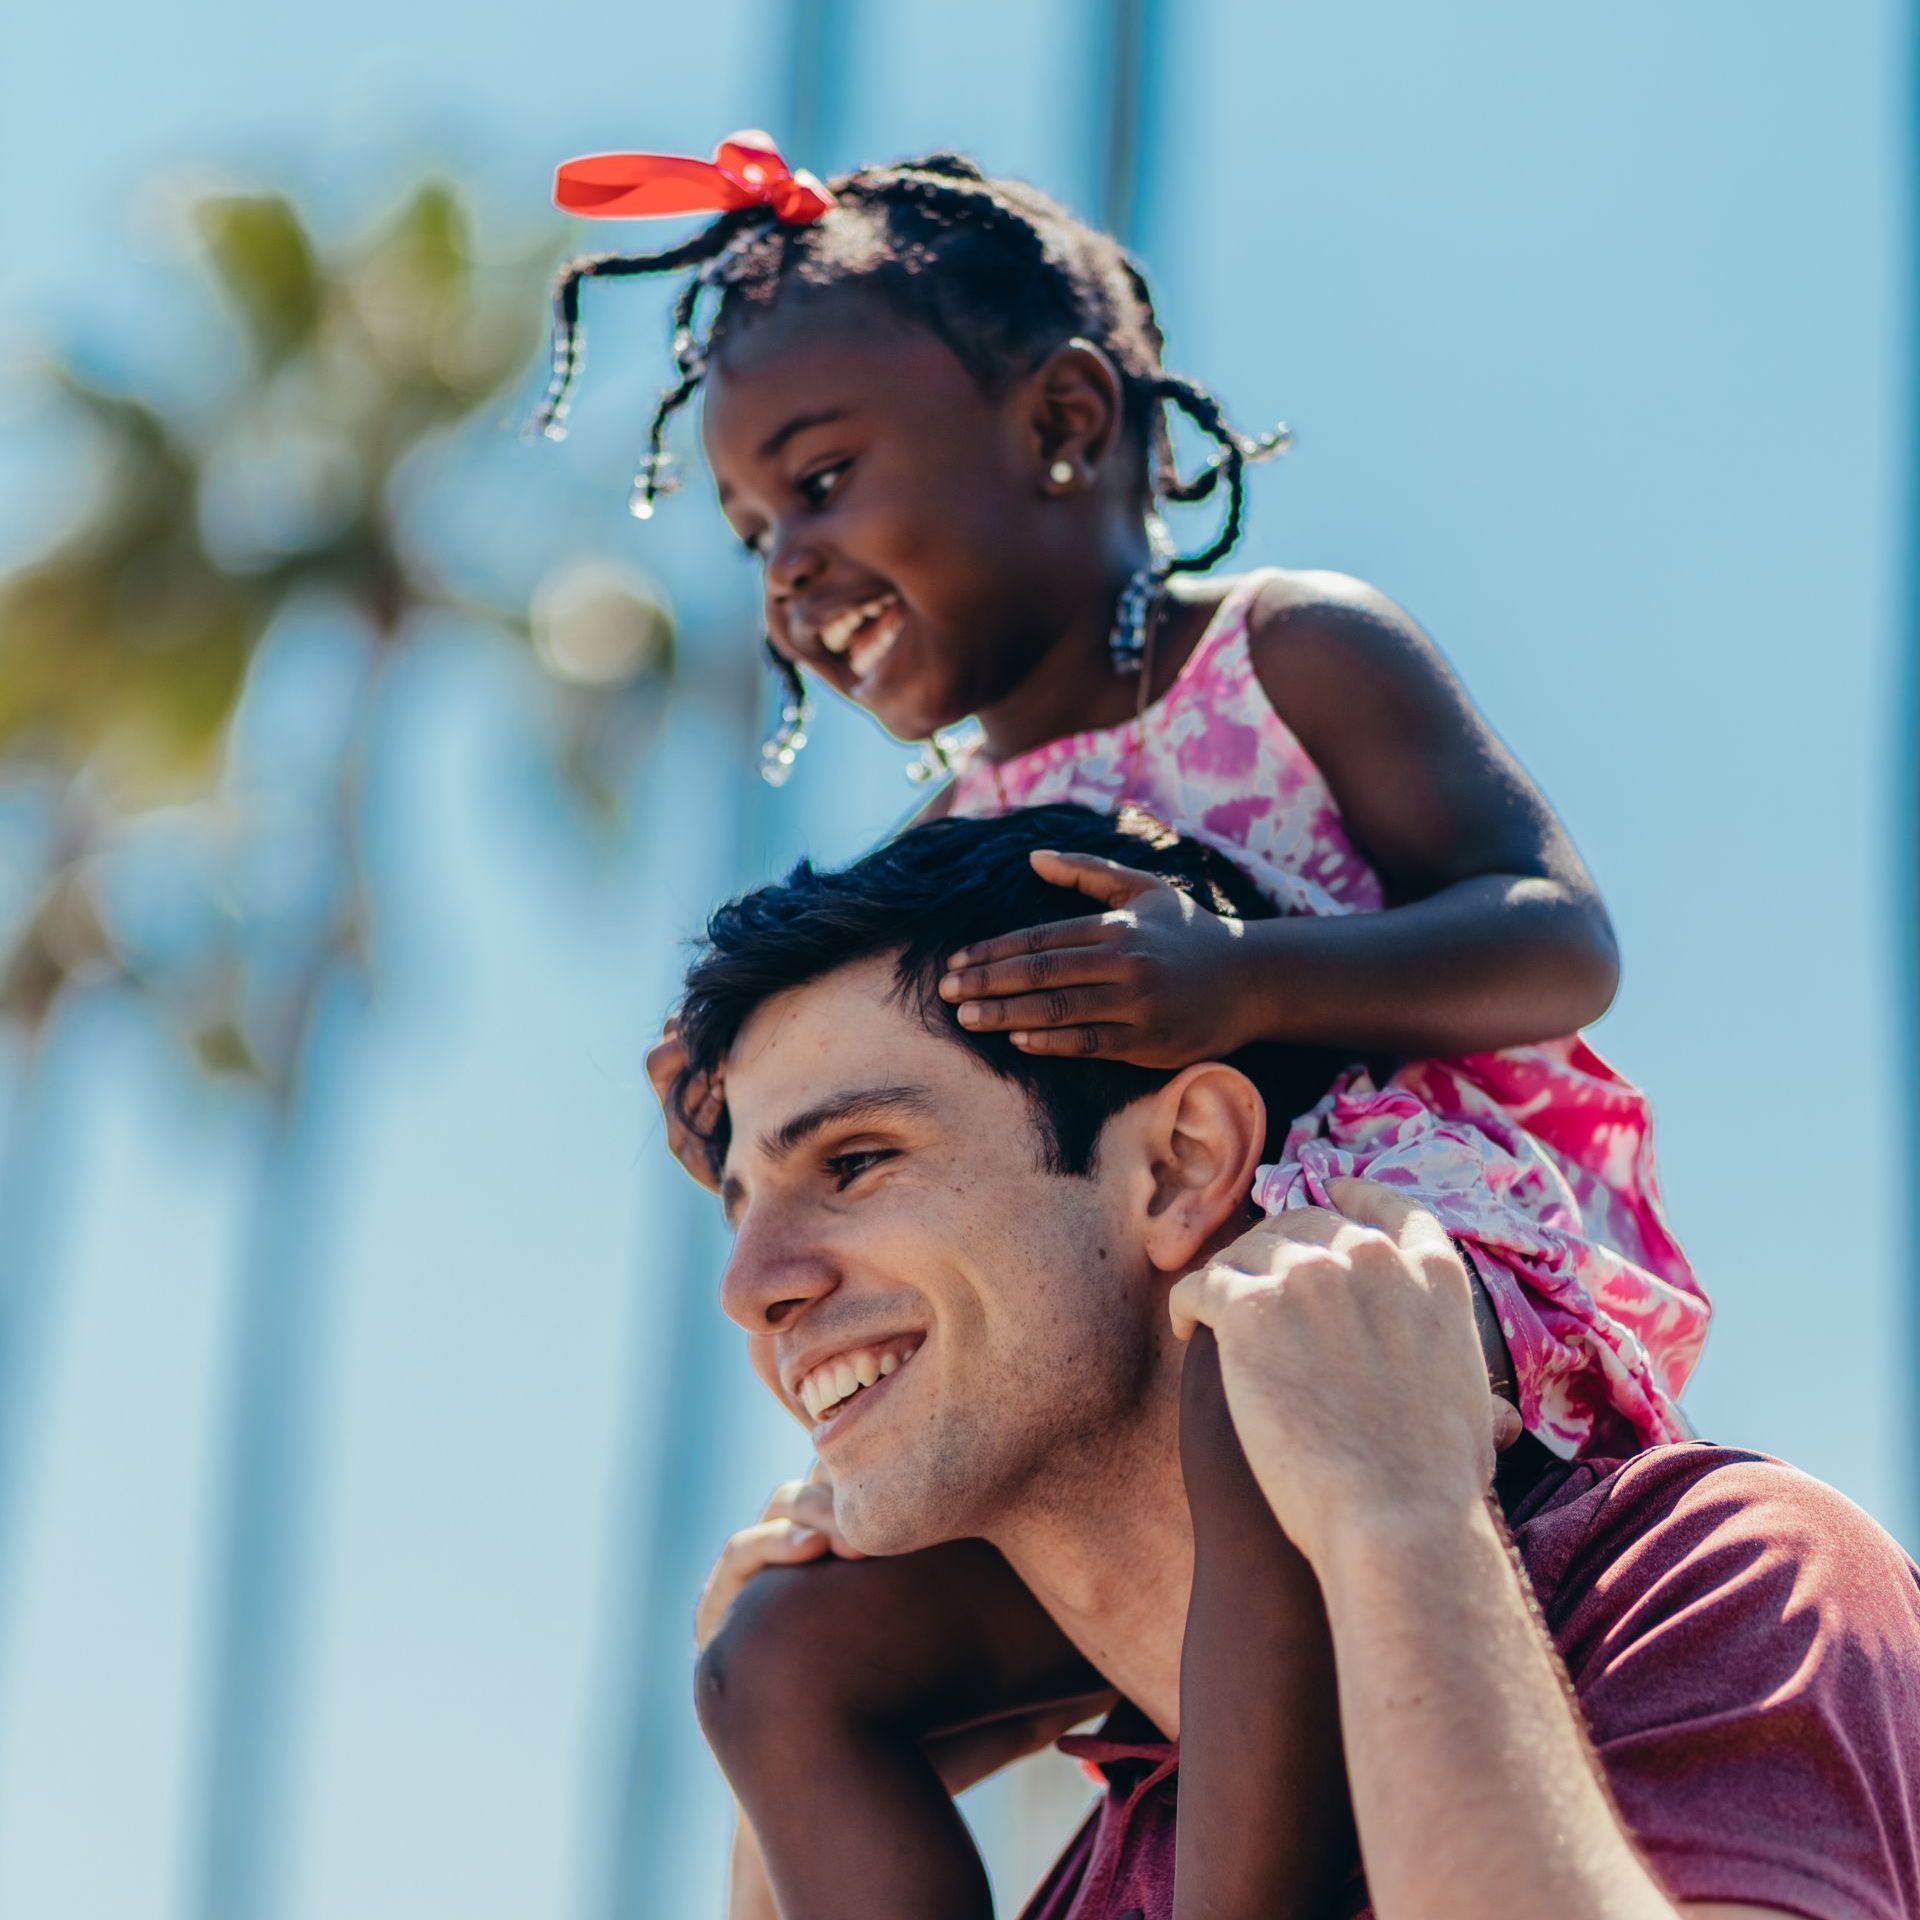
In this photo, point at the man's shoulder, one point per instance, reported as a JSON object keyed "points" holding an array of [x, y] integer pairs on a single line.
{"points": [[1682, 1523], [1744, 1645]]}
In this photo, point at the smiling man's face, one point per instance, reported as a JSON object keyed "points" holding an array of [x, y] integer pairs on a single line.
{"points": [[895, 1225]]}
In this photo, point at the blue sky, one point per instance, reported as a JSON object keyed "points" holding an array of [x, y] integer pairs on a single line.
{"points": [[1592, 328]]}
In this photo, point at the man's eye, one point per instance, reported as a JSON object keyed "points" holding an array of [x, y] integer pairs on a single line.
{"points": [[848, 1167], [754, 546], [816, 488]]}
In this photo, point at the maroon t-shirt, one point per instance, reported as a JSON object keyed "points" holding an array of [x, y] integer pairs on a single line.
{"points": [[1745, 1646]]}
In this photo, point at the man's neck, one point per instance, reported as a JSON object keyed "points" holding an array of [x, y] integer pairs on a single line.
{"points": [[1110, 1557]]}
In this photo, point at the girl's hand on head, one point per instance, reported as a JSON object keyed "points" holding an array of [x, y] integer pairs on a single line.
{"points": [[665, 1059], [1153, 981]]}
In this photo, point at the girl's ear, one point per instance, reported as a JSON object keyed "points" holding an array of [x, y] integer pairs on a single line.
{"points": [[1203, 1133], [1076, 408]]}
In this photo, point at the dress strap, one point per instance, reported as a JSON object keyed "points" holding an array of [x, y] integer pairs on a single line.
{"points": [[1228, 625]]}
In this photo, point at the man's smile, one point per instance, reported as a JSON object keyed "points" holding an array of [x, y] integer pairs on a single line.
{"points": [[828, 1387], [824, 1383]]}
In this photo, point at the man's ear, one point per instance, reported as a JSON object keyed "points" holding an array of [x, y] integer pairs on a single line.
{"points": [[1077, 410], [1203, 1134]]}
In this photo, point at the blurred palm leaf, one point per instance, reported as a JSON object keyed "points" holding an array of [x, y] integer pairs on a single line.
{"points": [[265, 263], [125, 651], [63, 940], [126, 647]]}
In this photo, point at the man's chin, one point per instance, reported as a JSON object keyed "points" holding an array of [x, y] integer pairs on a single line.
{"points": [[882, 1521]]}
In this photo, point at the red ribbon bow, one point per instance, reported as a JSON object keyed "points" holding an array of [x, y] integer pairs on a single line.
{"points": [[746, 171]]}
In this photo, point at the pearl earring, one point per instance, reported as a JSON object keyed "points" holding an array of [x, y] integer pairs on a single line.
{"points": [[1061, 473]]}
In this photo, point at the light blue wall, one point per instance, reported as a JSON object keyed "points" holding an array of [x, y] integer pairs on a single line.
{"points": [[1592, 329]]}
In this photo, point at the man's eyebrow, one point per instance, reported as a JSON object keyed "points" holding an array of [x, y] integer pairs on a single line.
{"points": [[799, 424], [861, 1103]]}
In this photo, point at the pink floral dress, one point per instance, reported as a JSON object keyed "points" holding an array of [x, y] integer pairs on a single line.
{"points": [[1539, 1158]]}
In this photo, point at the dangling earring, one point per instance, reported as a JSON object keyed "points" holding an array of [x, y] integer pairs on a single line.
{"points": [[1139, 604], [944, 752], [782, 747], [930, 763]]}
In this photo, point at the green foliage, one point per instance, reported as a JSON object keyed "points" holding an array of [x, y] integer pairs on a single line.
{"points": [[265, 264], [124, 650], [126, 647]]}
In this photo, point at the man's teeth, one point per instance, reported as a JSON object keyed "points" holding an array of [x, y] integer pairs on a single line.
{"points": [[840, 1379], [837, 635]]}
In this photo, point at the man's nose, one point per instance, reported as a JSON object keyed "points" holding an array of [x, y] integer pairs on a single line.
{"points": [[776, 1270]]}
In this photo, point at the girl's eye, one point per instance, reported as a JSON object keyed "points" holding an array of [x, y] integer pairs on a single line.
{"points": [[848, 1167], [816, 488]]}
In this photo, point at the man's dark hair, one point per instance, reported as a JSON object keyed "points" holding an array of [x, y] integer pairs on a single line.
{"points": [[950, 884]]}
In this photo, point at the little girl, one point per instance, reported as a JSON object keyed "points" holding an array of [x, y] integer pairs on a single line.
{"points": [[936, 410]]}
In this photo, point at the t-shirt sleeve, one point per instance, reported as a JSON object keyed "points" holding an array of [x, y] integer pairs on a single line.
{"points": [[1745, 1645]]}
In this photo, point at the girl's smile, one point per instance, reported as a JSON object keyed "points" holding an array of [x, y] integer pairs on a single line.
{"points": [[914, 558]]}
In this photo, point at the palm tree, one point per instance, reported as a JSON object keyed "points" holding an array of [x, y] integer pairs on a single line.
{"points": [[124, 653]]}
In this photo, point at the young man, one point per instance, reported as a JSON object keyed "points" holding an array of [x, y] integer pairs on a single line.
{"points": [[956, 1267]]}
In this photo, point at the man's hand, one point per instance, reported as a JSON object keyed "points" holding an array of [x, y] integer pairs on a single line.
{"points": [[1148, 981], [832, 1640], [958, 1603], [706, 1098], [796, 1526], [1352, 1364]]}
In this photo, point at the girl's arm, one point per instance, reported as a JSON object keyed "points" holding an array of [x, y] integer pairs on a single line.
{"points": [[1265, 1827], [848, 1700], [1359, 1394], [1494, 934]]}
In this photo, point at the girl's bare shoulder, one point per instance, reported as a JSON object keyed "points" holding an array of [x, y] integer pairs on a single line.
{"points": [[1317, 639]]}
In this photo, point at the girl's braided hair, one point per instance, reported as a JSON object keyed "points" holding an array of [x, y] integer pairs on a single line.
{"points": [[1001, 273]]}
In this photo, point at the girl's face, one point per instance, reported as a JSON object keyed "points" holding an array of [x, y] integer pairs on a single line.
{"points": [[913, 554]]}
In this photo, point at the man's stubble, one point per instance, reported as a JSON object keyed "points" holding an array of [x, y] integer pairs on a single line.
{"points": [[1029, 1438]]}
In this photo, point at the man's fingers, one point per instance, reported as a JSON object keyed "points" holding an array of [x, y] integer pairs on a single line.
{"points": [[802, 1500], [771, 1543], [1262, 1252], [1053, 936], [1186, 1307], [1507, 1424], [1259, 1253], [1405, 1222], [809, 1503], [1266, 1240], [1199, 1299]]}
